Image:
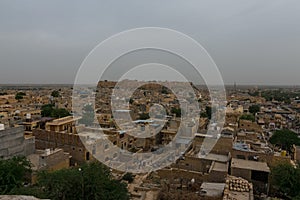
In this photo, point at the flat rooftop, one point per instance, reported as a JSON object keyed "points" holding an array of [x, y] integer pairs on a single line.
{"points": [[220, 167], [63, 120], [250, 165], [214, 157], [212, 189]]}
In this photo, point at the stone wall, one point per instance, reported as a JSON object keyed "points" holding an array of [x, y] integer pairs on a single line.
{"points": [[12, 142], [55, 161], [186, 175], [249, 126], [70, 143], [29, 145], [223, 145]]}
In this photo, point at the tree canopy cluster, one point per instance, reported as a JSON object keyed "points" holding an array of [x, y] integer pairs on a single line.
{"points": [[128, 177], [253, 109], [55, 93], [48, 110], [144, 116], [285, 139], [20, 95], [13, 173], [208, 112], [248, 117], [277, 95], [89, 181], [286, 180], [176, 111]]}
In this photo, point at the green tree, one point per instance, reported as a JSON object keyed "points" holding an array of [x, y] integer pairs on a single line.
{"points": [[208, 111], [144, 116], [286, 179], [29, 191], [128, 177], [13, 173], [20, 95], [131, 101], [60, 112], [248, 117], [203, 115], [48, 110], [176, 111], [55, 93], [92, 181], [285, 139], [254, 109], [296, 197], [279, 95], [165, 90]]}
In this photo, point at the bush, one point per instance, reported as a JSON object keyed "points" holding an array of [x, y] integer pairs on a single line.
{"points": [[48, 110], [128, 177], [285, 139], [286, 179], [254, 109], [92, 181], [13, 173], [55, 93], [20, 95], [176, 111], [248, 117], [144, 116]]}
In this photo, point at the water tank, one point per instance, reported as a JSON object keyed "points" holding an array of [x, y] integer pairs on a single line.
{"points": [[47, 151], [28, 116], [2, 127], [283, 153]]}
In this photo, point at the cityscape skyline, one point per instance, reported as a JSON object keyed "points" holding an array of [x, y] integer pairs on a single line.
{"points": [[149, 100]]}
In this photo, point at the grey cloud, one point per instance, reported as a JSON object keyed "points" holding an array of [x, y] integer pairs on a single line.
{"points": [[251, 41]]}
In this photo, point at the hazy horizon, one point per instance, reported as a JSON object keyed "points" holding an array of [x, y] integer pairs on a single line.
{"points": [[252, 42]]}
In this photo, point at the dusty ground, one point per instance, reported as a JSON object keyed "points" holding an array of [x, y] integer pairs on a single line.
{"points": [[138, 180]]}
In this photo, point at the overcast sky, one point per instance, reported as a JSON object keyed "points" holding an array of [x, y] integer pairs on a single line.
{"points": [[251, 41]]}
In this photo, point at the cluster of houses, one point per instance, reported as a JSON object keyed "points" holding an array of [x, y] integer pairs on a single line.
{"points": [[229, 160]]}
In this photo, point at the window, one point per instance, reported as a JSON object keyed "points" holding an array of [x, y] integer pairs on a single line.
{"points": [[87, 156], [241, 157], [259, 176]]}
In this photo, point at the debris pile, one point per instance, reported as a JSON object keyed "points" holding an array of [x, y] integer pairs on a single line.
{"points": [[238, 184], [237, 188]]}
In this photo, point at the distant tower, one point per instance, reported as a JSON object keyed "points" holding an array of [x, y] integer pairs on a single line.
{"points": [[234, 87]]}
